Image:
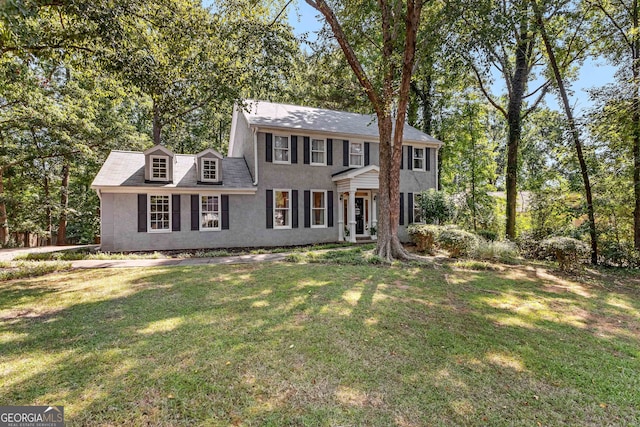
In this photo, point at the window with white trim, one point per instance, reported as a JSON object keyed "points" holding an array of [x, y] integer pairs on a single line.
{"points": [[318, 148], [159, 213], [318, 209], [280, 149], [356, 154], [209, 168], [209, 213], [281, 208], [159, 168], [418, 159], [417, 209]]}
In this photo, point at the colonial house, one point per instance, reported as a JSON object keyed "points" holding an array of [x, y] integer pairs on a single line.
{"points": [[293, 175]]}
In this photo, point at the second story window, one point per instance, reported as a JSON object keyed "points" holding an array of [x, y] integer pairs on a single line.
{"points": [[356, 154], [159, 168], [418, 159], [318, 152], [281, 149], [209, 170]]}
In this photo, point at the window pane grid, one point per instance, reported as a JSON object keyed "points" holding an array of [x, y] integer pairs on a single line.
{"points": [[356, 154], [317, 151], [318, 208], [209, 170], [281, 215], [158, 167], [210, 212], [159, 213], [418, 158], [281, 149]]}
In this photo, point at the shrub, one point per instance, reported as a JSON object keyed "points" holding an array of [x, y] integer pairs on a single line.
{"points": [[489, 235], [619, 254], [424, 236], [435, 207], [567, 251], [457, 242], [502, 251]]}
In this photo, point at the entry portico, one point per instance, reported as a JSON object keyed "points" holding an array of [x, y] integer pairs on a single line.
{"points": [[358, 193]]}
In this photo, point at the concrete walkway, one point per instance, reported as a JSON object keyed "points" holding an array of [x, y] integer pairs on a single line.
{"points": [[129, 263]]}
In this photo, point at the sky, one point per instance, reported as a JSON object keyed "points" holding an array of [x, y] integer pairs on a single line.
{"points": [[594, 73]]}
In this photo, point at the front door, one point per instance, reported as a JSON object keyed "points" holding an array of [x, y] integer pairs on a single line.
{"points": [[359, 215]]}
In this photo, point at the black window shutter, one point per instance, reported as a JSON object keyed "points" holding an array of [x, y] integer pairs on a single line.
{"points": [[427, 159], [269, 148], [366, 154], [410, 157], [195, 212], [345, 153], [269, 208], [225, 211], [142, 213], [294, 149], [401, 157], [329, 152], [401, 208], [306, 150], [307, 208], [329, 208], [294, 208], [175, 212], [410, 210]]}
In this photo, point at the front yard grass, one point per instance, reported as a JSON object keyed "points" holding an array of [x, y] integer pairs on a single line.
{"points": [[315, 344]]}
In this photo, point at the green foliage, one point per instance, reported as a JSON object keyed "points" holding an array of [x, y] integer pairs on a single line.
{"points": [[457, 242], [23, 270], [435, 207], [504, 251], [424, 236], [569, 252]]}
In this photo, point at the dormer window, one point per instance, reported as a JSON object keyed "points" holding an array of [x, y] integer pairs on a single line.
{"points": [[159, 168], [209, 168]]}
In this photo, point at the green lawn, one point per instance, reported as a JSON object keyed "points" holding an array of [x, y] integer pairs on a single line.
{"points": [[316, 344]]}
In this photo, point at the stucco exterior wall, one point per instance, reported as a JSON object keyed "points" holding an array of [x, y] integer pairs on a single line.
{"points": [[247, 213]]}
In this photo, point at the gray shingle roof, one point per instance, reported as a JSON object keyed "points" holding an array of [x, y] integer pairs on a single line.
{"points": [[126, 169], [273, 115]]}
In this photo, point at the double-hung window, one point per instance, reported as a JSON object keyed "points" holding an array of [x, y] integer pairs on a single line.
{"points": [[209, 170], [159, 168], [318, 209], [418, 159], [356, 154], [417, 209], [282, 208], [318, 147], [159, 213], [281, 149], [209, 213]]}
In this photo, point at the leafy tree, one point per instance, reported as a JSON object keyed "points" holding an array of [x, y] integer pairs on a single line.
{"points": [[385, 78]]}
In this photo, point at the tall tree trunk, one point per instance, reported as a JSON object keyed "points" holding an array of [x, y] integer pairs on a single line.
{"points": [[635, 117], [157, 124], [4, 221], [573, 129], [514, 122], [47, 200], [64, 205]]}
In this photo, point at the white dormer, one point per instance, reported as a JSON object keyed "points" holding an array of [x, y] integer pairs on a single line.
{"points": [[159, 162], [209, 166]]}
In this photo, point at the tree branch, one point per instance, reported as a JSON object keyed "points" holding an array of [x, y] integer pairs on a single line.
{"points": [[484, 91]]}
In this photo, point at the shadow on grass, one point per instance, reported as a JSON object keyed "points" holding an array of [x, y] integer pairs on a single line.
{"points": [[283, 344]]}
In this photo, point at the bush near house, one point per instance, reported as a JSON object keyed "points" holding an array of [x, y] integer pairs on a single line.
{"points": [[457, 242], [424, 236]]}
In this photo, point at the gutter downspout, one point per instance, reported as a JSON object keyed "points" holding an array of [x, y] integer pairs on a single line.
{"points": [[255, 155]]}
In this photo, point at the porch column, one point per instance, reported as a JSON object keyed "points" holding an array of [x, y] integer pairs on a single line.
{"points": [[351, 211], [340, 217]]}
